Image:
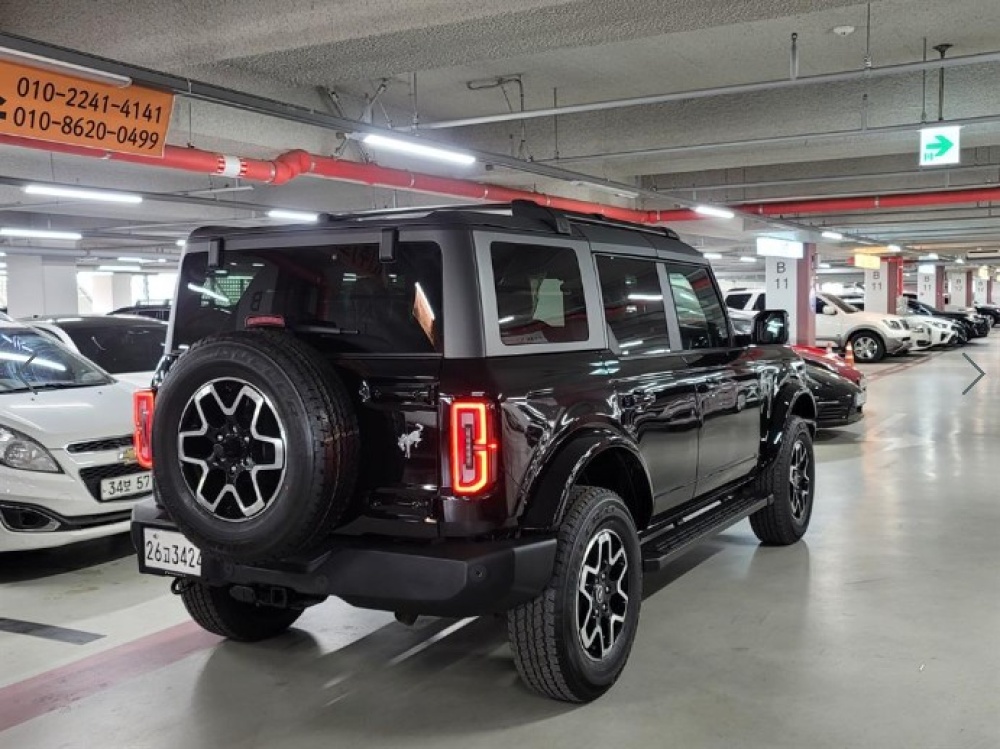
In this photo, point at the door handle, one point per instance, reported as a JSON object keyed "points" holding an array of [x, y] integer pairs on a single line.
{"points": [[642, 399]]}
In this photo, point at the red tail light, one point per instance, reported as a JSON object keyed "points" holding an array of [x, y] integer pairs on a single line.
{"points": [[142, 417], [472, 447]]}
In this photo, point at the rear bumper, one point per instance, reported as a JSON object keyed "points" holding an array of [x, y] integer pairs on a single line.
{"points": [[449, 578]]}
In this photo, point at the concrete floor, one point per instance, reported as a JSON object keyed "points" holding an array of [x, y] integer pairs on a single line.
{"points": [[882, 629]]}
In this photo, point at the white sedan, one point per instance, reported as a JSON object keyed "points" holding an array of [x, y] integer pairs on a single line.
{"points": [[67, 467]]}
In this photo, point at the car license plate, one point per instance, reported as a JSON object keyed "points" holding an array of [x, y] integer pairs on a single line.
{"points": [[861, 398], [170, 551], [127, 486]]}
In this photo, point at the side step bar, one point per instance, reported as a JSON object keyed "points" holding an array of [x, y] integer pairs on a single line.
{"points": [[666, 546]]}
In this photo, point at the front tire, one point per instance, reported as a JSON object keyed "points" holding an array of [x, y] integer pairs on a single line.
{"points": [[791, 480], [215, 610], [572, 642], [868, 346]]}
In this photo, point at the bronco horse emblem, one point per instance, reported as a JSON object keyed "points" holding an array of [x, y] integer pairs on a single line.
{"points": [[407, 442]]}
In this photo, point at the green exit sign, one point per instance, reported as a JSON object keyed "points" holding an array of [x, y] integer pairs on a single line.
{"points": [[940, 146]]}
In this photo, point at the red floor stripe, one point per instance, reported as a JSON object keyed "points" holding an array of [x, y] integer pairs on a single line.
{"points": [[63, 686]]}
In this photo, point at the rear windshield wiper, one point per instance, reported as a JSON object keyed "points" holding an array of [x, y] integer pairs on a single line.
{"points": [[323, 329]]}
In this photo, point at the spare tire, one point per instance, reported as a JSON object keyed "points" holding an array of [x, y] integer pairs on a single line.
{"points": [[256, 446]]}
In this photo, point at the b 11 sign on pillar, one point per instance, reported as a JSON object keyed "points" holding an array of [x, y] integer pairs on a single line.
{"points": [[789, 272], [981, 291]]}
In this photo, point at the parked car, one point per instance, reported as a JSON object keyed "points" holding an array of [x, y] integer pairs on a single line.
{"points": [[928, 332], [839, 401], [871, 335], [462, 412], [67, 466], [990, 311], [128, 347], [155, 311], [819, 357], [976, 326]]}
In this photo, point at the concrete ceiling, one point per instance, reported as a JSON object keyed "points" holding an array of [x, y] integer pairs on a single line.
{"points": [[587, 50]]}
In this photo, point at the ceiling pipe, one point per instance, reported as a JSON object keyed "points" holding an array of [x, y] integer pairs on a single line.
{"points": [[741, 88]]}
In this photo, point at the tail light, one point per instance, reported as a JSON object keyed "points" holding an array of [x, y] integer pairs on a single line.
{"points": [[472, 446], [142, 417]]}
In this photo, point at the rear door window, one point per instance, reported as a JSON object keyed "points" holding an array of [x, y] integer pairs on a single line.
{"points": [[633, 304], [335, 290], [700, 313], [121, 349], [539, 294]]}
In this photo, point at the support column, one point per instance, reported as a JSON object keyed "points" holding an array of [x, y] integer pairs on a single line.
{"points": [[883, 287], [930, 286], [121, 290], [41, 286], [790, 286], [960, 289], [981, 290]]}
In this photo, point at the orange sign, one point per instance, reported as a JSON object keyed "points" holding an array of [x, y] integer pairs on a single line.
{"points": [[60, 108]]}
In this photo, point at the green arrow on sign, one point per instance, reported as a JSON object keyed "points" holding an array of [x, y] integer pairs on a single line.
{"points": [[939, 146]]}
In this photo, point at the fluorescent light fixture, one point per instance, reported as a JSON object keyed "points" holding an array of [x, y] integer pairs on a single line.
{"points": [[771, 247], [621, 192], [209, 293], [960, 260], [79, 193], [712, 255], [835, 235], [928, 269], [66, 68], [133, 260], [3, 265], [281, 213], [120, 268], [825, 266], [69, 236], [645, 297], [418, 149], [181, 243], [932, 256], [3, 254], [893, 248], [868, 262], [161, 260], [748, 259], [711, 210]]}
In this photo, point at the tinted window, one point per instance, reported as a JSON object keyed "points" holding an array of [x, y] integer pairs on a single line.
{"points": [[737, 301], [633, 304], [699, 310], [758, 305], [29, 359], [539, 294], [337, 292], [120, 349]]}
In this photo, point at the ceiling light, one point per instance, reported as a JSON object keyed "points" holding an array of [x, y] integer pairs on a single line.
{"points": [[712, 256], [932, 256], [133, 260], [120, 268], [825, 266], [418, 149], [960, 261], [3, 265], [181, 243], [105, 196], [281, 213], [613, 189], [845, 30], [70, 236], [65, 68], [893, 248], [835, 235], [748, 259], [711, 210], [162, 260]]}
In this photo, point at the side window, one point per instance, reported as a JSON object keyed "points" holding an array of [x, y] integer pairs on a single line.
{"points": [[699, 310], [820, 306], [539, 294], [737, 301], [761, 302], [633, 305]]}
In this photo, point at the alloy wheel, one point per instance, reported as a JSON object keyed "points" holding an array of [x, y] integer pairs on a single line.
{"points": [[800, 481], [231, 447], [865, 347], [602, 594]]}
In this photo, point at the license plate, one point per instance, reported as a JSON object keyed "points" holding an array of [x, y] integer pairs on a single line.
{"points": [[170, 551], [127, 486], [860, 398]]}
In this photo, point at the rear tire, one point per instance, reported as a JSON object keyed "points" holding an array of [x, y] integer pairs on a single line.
{"points": [[595, 595], [868, 347], [215, 610], [791, 481]]}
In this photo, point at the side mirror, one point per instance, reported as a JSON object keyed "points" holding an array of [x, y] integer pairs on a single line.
{"points": [[770, 328], [829, 310]]}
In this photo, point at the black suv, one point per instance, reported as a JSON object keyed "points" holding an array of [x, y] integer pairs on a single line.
{"points": [[459, 412]]}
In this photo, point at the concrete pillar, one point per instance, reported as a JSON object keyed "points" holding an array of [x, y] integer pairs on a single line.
{"points": [[930, 286], [883, 287], [981, 290], [994, 296], [960, 289], [41, 286], [121, 290], [790, 286]]}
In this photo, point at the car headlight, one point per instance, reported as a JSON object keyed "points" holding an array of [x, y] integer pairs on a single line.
{"points": [[892, 324], [20, 451], [941, 325]]}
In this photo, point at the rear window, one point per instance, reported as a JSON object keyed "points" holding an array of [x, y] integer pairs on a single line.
{"points": [[737, 301], [340, 291], [119, 349], [539, 294]]}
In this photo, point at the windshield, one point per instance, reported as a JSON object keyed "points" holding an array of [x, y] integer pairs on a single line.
{"points": [[120, 349], [30, 360], [839, 303]]}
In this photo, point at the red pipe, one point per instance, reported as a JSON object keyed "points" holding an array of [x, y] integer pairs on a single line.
{"points": [[293, 164]]}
